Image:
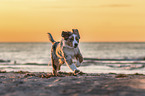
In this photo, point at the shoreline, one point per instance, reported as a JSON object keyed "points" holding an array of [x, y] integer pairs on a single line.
{"points": [[24, 83]]}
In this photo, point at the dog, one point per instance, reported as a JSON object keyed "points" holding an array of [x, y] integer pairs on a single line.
{"points": [[66, 51]]}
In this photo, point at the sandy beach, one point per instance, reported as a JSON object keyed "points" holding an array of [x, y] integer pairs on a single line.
{"points": [[92, 84]]}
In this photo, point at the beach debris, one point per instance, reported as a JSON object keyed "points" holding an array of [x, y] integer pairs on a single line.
{"points": [[138, 74], [45, 75], [2, 71], [22, 72], [2, 61], [112, 73], [29, 74], [121, 76]]}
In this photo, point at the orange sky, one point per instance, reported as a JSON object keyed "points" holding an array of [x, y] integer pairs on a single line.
{"points": [[97, 20]]}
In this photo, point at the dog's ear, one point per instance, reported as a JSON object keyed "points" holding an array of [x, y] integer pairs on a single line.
{"points": [[66, 35], [75, 31]]}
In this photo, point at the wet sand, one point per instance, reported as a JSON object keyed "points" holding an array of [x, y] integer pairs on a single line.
{"points": [[44, 84]]}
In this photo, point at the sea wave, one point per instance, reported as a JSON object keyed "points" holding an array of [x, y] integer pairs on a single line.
{"points": [[87, 61], [89, 65]]}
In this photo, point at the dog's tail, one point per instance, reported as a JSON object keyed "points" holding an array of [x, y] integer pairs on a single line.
{"points": [[51, 38]]}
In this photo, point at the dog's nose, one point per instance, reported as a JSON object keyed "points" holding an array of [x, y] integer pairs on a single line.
{"points": [[76, 45]]}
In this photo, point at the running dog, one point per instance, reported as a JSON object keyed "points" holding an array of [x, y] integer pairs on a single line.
{"points": [[65, 51]]}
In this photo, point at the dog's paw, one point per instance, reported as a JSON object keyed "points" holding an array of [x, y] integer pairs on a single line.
{"points": [[76, 72]]}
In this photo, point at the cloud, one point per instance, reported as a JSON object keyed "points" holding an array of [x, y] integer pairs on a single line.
{"points": [[116, 5], [74, 5], [84, 6]]}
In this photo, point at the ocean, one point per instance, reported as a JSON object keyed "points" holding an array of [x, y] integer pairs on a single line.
{"points": [[99, 57]]}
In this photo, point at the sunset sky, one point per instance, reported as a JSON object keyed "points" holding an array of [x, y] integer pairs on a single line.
{"points": [[97, 20]]}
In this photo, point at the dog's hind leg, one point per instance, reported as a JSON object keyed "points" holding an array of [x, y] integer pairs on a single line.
{"points": [[61, 61], [55, 65]]}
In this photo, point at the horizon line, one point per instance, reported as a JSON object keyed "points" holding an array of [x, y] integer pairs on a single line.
{"points": [[85, 42]]}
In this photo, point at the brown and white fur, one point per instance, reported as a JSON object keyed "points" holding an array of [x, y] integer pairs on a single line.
{"points": [[65, 51]]}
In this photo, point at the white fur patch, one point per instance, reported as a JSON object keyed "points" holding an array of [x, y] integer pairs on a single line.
{"points": [[74, 41]]}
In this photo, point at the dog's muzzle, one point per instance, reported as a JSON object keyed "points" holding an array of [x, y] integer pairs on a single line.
{"points": [[76, 45]]}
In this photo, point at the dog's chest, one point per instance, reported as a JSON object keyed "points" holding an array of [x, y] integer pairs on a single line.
{"points": [[70, 51]]}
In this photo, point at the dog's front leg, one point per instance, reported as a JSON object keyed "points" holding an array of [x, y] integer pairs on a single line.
{"points": [[70, 64], [79, 59]]}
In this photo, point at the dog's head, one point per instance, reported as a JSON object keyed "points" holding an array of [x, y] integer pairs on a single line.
{"points": [[71, 38]]}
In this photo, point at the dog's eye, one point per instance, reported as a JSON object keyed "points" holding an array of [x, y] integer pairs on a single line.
{"points": [[72, 39], [77, 39]]}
